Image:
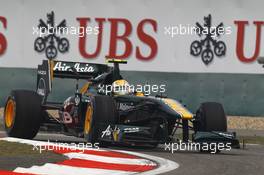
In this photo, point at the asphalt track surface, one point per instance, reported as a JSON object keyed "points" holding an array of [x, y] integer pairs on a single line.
{"points": [[237, 161]]}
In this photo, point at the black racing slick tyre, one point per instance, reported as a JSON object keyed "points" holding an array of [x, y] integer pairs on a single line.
{"points": [[210, 117], [100, 113], [22, 114]]}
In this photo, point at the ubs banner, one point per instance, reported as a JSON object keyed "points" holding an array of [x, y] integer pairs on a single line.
{"points": [[161, 36]]}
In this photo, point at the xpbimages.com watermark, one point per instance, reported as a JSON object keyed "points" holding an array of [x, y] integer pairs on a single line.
{"points": [[192, 146], [146, 89], [59, 146], [188, 29], [50, 30]]}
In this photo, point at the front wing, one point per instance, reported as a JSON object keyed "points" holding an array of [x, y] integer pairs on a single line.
{"points": [[127, 134]]}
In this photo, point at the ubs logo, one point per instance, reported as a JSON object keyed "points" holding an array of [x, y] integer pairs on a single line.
{"points": [[209, 45], [49, 40]]}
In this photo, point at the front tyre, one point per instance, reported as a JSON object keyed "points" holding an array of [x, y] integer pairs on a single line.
{"points": [[22, 114], [210, 117], [100, 113]]}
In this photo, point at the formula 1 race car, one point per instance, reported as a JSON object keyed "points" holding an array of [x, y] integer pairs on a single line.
{"points": [[108, 116]]}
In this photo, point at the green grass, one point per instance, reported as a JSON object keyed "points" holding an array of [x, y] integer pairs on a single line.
{"points": [[251, 139], [1, 123], [1, 126], [10, 149]]}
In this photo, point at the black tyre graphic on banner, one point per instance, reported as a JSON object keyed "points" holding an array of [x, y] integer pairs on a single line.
{"points": [[196, 48], [63, 45], [207, 56], [51, 52], [39, 44], [220, 48]]}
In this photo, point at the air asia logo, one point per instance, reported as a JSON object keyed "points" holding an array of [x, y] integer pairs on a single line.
{"points": [[208, 46], [51, 42], [80, 67]]}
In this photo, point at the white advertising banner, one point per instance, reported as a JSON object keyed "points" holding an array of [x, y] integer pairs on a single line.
{"points": [[162, 35]]}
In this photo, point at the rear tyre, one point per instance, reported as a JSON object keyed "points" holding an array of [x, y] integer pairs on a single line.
{"points": [[100, 113], [210, 117], [22, 115]]}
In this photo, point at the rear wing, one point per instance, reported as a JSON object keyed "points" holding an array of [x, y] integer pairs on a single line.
{"points": [[49, 70]]}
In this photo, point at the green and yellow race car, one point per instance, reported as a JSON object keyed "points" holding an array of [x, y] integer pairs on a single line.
{"points": [[110, 115]]}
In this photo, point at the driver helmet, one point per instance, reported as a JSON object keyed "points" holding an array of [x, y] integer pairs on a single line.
{"points": [[120, 87]]}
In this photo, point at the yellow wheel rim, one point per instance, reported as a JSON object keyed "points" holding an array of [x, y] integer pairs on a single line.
{"points": [[88, 120], [9, 113]]}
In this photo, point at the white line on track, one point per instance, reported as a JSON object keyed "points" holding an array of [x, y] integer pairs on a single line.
{"points": [[54, 169], [110, 159], [164, 165]]}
